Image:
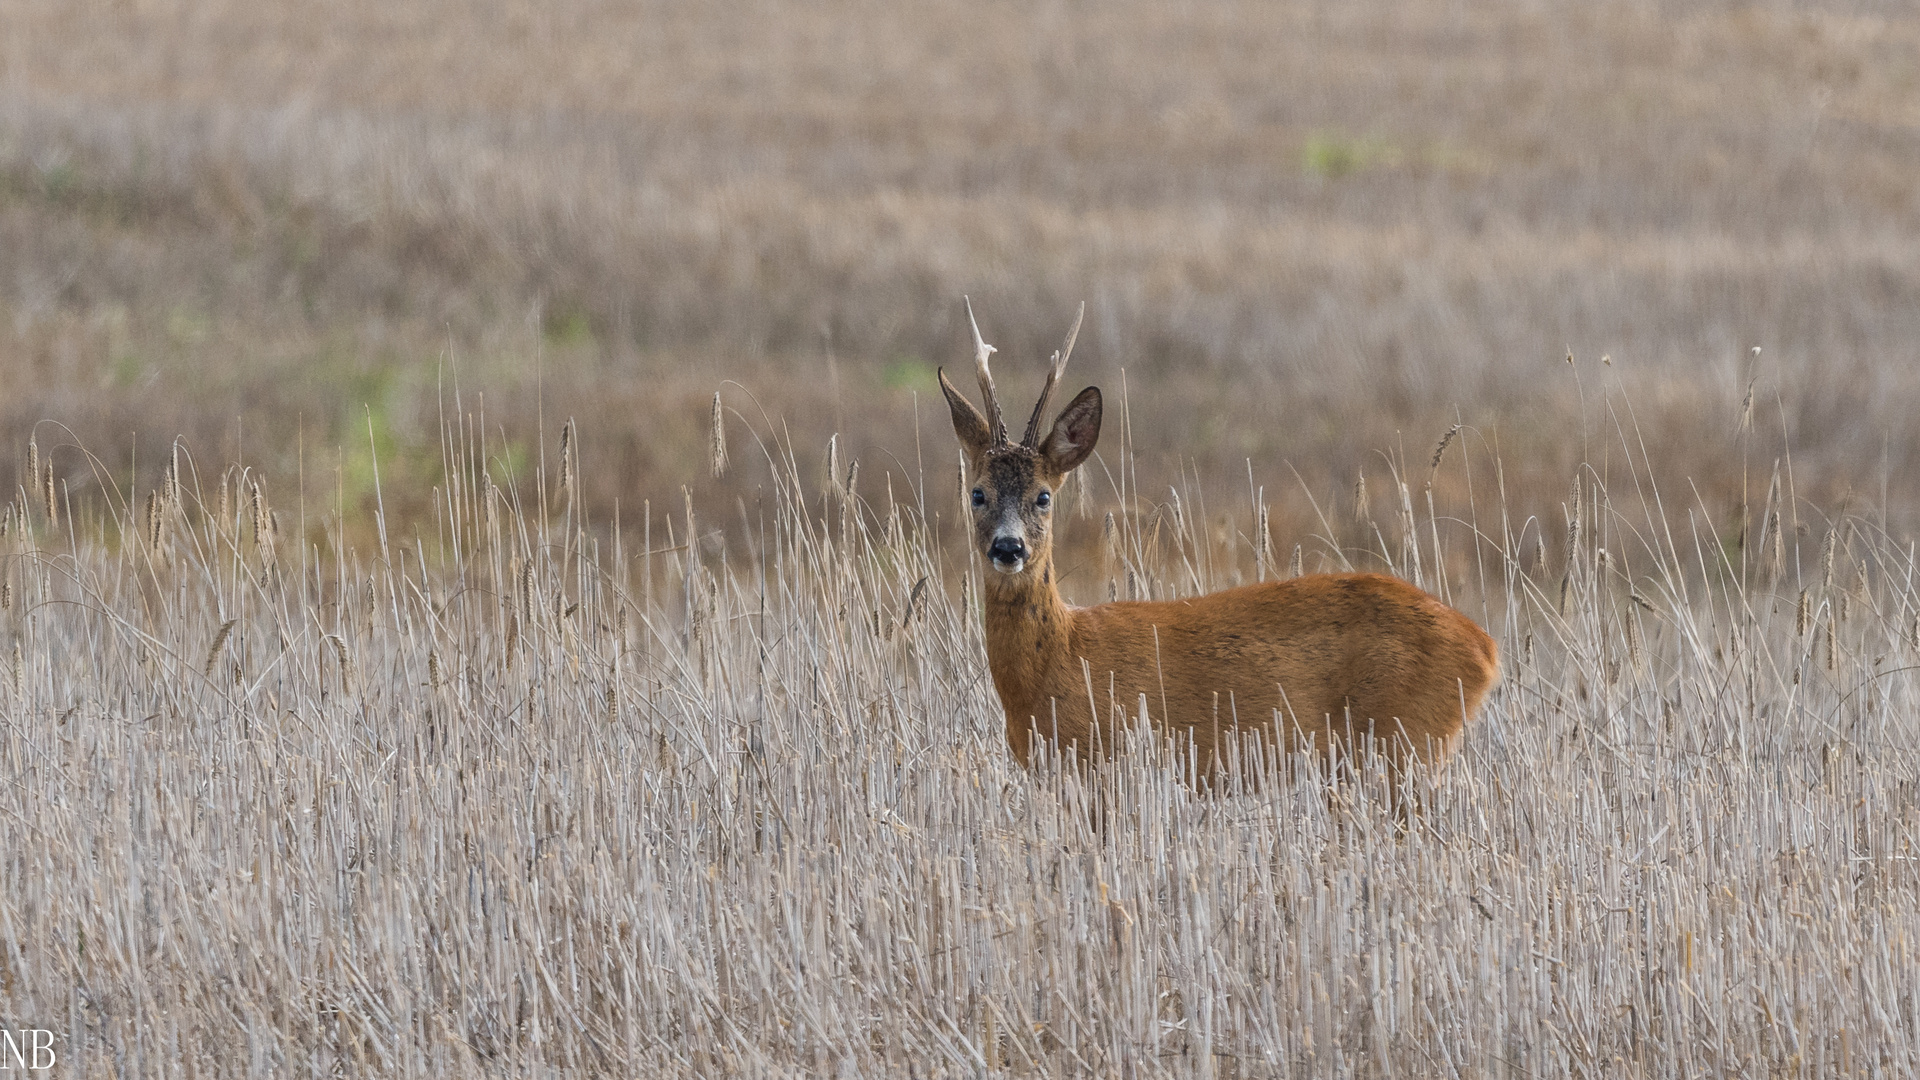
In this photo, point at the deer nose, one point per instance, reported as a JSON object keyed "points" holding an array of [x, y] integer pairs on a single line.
{"points": [[1007, 549]]}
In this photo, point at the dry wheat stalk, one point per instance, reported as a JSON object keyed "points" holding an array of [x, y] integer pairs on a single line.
{"points": [[345, 656], [1441, 451], [156, 523], [170, 480], [528, 590], [219, 643], [1573, 526], [1263, 544], [263, 531], [1833, 640]]}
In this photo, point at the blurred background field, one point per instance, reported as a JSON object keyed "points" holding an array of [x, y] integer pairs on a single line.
{"points": [[1306, 233]]}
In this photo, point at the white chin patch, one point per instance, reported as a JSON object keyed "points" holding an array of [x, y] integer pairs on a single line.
{"points": [[1013, 567]]}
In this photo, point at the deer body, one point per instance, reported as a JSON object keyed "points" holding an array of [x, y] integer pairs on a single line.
{"points": [[1314, 661], [1322, 661]]}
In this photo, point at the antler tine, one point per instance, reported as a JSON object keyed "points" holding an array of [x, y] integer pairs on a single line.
{"points": [[1053, 379], [982, 350]]}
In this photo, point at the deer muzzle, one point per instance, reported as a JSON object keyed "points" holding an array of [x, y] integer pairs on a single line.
{"points": [[1008, 554]]}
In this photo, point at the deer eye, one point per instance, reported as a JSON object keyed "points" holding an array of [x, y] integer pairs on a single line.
{"points": [[1044, 500], [979, 497]]}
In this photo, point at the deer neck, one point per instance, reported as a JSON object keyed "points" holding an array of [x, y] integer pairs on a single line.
{"points": [[1028, 629]]}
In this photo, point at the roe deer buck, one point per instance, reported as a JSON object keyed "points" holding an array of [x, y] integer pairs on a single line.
{"points": [[1326, 659]]}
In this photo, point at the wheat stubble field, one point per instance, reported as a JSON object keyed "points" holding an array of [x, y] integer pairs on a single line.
{"points": [[510, 797], [390, 686]]}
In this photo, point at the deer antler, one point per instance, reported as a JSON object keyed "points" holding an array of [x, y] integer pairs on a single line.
{"points": [[1032, 439], [996, 426]]}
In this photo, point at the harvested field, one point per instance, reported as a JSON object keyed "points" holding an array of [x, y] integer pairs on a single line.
{"points": [[514, 798], [391, 685]]}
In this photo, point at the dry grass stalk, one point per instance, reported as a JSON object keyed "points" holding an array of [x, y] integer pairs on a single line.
{"points": [[569, 468], [1263, 543], [1441, 451], [1772, 541], [1573, 523], [170, 481], [717, 440], [1410, 537], [527, 592], [263, 530], [490, 498], [156, 523], [219, 643], [1776, 550], [344, 655]]}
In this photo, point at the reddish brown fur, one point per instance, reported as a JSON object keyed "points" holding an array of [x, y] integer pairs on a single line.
{"points": [[1323, 660]]}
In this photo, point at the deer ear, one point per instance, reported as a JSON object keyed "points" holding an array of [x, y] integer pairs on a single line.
{"points": [[1074, 432], [968, 424]]}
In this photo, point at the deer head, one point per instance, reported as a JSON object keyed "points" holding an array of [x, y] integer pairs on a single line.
{"points": [[1013, 485]]}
